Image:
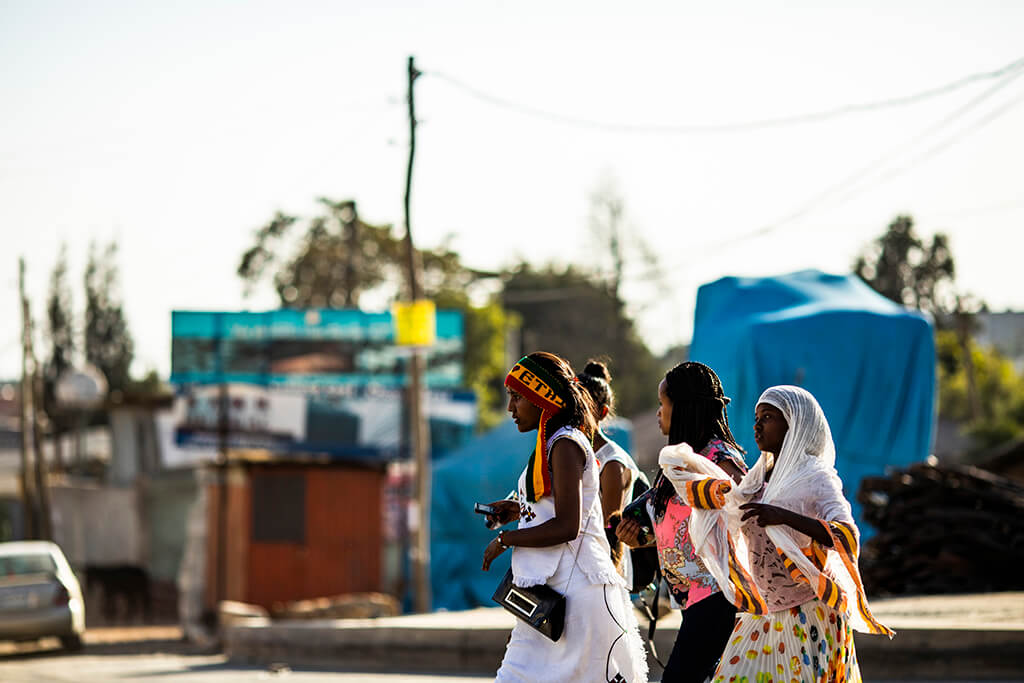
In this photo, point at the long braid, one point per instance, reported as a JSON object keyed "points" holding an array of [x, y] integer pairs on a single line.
{"points": [[698, 414]]}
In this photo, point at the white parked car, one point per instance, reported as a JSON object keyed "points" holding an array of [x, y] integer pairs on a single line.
{"points": [[39, 594]]}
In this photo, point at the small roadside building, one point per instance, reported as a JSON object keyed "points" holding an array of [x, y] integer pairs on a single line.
{"points": [[292, 530]]}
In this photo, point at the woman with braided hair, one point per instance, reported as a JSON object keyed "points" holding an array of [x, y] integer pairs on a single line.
{"points": [[618, 470], [560, 540], [691, 411], [784, 546]]}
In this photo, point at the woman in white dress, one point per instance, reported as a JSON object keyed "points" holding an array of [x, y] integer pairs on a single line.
{"points": [[617, 470], [560, 539]]}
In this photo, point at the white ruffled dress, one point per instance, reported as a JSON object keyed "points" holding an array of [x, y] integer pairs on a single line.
{"points": [[601, 641]]}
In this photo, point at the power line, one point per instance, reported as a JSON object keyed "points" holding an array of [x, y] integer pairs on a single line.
{"points": [[936, 149], [880, 162], [873, 166], [536, 112]]}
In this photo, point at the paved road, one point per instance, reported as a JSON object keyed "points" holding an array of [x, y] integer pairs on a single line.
{"points": [[47, 664], [158, 653], [109, 657]]}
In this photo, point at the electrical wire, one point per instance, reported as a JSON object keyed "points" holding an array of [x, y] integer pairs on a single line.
{"points": [[847, 188], [778, 122], [935, 149], [843, 189]]}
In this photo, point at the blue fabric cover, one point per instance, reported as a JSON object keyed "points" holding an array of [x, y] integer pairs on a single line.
{"points": [[868, 361], [483, 470]]}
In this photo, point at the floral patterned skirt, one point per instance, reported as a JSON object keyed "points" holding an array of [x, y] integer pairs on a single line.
{"points": [[811, 643]]}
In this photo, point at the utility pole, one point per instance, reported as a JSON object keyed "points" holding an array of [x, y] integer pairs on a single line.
{"points": [[42, 485], [349, 218], [221, 466], [28, 500], [33, 383], [420, 440], [25, 394]]}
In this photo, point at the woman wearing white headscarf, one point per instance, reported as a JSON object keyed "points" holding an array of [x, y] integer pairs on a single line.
{"points": [[783, 546]]}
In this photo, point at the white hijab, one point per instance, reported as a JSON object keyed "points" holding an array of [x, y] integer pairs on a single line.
{"points": [[803, 479]]}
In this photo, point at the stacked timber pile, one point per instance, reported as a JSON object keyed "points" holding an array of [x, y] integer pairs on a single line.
{"points": [[942, 529]]}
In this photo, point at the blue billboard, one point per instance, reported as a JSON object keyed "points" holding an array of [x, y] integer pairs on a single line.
{"points": [[307, 347], [328, 382]]}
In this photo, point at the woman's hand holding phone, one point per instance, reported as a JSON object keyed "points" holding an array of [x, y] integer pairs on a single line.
{"points": [[504, 511]]}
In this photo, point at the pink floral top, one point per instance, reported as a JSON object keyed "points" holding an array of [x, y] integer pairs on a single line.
{"points": [[687, 577]]}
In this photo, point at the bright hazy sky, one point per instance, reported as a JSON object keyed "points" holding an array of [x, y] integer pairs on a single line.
{"points": [[176, 129]]}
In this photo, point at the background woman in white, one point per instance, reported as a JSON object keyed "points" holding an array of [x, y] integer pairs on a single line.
{"points": [[618, 470]]}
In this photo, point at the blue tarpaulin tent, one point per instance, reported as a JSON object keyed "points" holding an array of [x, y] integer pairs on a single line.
{"points": [[868, 361], [482, 470]]}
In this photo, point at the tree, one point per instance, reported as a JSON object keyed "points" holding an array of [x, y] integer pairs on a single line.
{"points": [[339, 258], [1000, 391], [901, 266], [977, 387], [617, 243], [486, 328], [61, 337], [574, 314], [108, 342]]}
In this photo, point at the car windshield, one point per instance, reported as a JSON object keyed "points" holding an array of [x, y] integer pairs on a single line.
{"points": [[37, 563]]}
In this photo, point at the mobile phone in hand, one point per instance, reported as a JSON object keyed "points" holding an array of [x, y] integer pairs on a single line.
{"points": [[484, 509]]}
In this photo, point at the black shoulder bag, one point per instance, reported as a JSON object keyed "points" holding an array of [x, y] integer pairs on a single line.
{"points": [[540, 606]]}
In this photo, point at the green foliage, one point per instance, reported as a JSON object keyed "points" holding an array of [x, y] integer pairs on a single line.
{"points": [[149, 386], [1000, 391], [338, 258], [575, 315], [982, 391], [486, 328], [108, 342], [60, 332], [902, 267]]}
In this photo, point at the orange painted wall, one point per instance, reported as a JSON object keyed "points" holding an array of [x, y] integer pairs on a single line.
{"points": [[343, 544]]}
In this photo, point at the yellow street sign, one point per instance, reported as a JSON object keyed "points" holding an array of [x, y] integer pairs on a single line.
{"points": [[415, 323]]}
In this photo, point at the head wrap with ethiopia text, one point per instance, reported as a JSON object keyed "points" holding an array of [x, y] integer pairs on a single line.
{"points": [[547, 392]]}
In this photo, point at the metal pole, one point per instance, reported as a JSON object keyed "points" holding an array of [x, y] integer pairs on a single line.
{"points": [[418, 426]]}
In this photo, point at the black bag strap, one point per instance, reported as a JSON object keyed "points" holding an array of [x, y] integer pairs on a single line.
{"points": [[652, 616]]}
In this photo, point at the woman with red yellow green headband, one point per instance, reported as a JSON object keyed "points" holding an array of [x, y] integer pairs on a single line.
{"points": [[560, 539]]}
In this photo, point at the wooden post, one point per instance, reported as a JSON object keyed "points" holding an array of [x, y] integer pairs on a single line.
{"points": [[420, 433], [25, 394]]}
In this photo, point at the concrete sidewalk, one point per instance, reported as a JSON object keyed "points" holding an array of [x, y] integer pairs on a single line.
{"points": [[959, 637]]}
